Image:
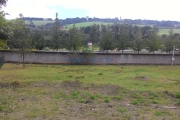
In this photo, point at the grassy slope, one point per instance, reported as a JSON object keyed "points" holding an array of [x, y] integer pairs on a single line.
{"points": [[84, 24], [166, 31], [101, 92], [39, 23]]}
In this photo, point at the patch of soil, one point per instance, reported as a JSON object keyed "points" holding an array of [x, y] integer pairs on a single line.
{"points": [[105, 89], [9, 85], [40, 84]]}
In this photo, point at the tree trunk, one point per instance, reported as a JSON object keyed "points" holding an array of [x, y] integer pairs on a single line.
{"points": [[23, 60]]}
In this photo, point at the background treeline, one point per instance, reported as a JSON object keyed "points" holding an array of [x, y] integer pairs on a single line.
{"points": [[165, 24], [104, 37]]}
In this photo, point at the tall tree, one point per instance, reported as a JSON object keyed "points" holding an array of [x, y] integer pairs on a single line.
{"points": [[123, 37], [169, 41], [38, 40], [153, 42], [94, 34], [21, 38], [138, 40], [56, 34], [4, 29], [75, 39], [107, 40]]}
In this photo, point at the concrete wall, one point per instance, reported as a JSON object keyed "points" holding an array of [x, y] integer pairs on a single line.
{"points": [[98, 58]]}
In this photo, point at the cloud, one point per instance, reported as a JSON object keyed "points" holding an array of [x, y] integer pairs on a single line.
{"points": [[143, 9]]}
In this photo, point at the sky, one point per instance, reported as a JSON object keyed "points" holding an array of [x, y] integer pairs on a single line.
{"points": [[126, 9]]}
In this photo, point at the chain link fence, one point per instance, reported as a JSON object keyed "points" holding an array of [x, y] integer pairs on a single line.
{"points": [[1, 61]]}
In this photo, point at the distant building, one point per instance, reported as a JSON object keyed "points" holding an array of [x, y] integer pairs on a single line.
{"points": [[89, 45]]}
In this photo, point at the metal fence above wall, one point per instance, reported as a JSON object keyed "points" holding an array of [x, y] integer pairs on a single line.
{"points": [[1, 61]]}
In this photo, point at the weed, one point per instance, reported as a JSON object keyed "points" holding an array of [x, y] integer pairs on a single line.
{"points": [[56, 96], [3, 101], [81, 100], [106, 100], [122, 110], [178, 102], [98, 95], [158, 113], [154, 101], [100, 74], [74, 94], [177, 95], [1, 108], [178, 82], [69, 76], [135, 102], [117, 97], [92, 97]]}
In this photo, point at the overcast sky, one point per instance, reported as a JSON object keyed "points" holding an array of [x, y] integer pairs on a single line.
{"points": [[133, 9]]}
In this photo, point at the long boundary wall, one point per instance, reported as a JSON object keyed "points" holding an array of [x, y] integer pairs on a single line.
{"points": [[97, 58]]}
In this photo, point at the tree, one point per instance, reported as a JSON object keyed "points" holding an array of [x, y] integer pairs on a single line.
{"points": [[153, 42], [138, 40], [3, 3], [38, 40], [123, 38], [169, 41], [21, 38], [94, 34], [74, 40], [4, 29], [107, 40], [56, 34]]}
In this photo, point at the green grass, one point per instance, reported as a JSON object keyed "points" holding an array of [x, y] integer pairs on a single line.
{"points": [[39, 23], [122, 109], [166, 31], [177, 95], [66, 91], [159, 78], [106, 99], [85, 24]]}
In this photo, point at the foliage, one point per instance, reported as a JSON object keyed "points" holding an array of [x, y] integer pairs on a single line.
{"points": [[107, 40], [169, 41], [38, 40], [123, 37], [4, 29], [138, 40], [94, 33], [153, 42], [56, 38], [74, 40], [21, 37]]}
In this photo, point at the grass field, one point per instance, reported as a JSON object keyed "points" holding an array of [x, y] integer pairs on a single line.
{"points": [[85, 24], [39, 23], [166, 31], [76, 92]]}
